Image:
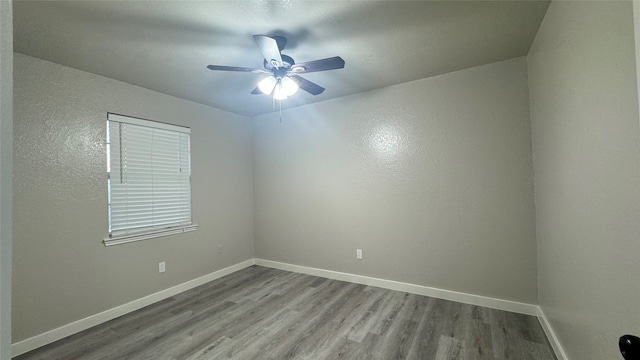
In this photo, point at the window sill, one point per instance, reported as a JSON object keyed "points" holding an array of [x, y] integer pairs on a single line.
{"points": [[124, 239]]}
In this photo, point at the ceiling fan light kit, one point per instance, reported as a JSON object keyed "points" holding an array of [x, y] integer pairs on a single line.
{"points": [[283, 80], [281, 88]]}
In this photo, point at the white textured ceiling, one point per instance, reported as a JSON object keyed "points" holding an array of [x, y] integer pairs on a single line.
{"points": [[166, 45]]}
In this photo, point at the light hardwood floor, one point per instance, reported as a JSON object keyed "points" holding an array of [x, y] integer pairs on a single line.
{"points": [[269, 314]]}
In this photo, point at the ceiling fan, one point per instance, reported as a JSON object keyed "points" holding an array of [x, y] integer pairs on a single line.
{"points": [[283, 80]]}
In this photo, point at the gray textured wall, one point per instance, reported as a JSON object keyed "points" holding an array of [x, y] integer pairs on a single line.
{"points": [[587, 164], [6, 140], [62, 272], [433, 179]]}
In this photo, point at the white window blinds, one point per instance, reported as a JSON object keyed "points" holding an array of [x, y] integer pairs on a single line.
{"points": [[149, 179]]}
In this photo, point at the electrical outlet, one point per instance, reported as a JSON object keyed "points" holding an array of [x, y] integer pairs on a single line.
{"points": [[219, 249], [161, 267], [359, 254]]}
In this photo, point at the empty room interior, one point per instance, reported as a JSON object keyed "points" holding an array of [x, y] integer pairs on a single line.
{"points": [[363, 180]]}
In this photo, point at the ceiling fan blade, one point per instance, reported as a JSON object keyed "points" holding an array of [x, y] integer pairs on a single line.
{"points": [[331, 63], [236, 68], [308, 86], [282, 42], [256, 91], [270, 50]]}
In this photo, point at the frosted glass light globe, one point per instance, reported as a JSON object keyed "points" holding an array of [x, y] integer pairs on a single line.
{"points": [[290, 86], [267, 84], [279, 93]]}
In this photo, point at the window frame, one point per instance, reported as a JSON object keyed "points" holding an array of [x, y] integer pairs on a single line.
{"points": [[149, 232]]}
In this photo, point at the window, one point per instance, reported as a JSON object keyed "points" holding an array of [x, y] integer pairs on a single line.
{"points": [[148, 179]]}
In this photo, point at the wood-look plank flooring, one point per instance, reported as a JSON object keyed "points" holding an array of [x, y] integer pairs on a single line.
{"points": [[269, 314]]}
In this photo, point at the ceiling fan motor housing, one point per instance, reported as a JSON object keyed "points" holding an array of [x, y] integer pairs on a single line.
{"points": [[287, 62]]}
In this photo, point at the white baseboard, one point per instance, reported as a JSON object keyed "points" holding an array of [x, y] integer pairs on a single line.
{"points": [[551, 335], [493, 303], [93, 320]]}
